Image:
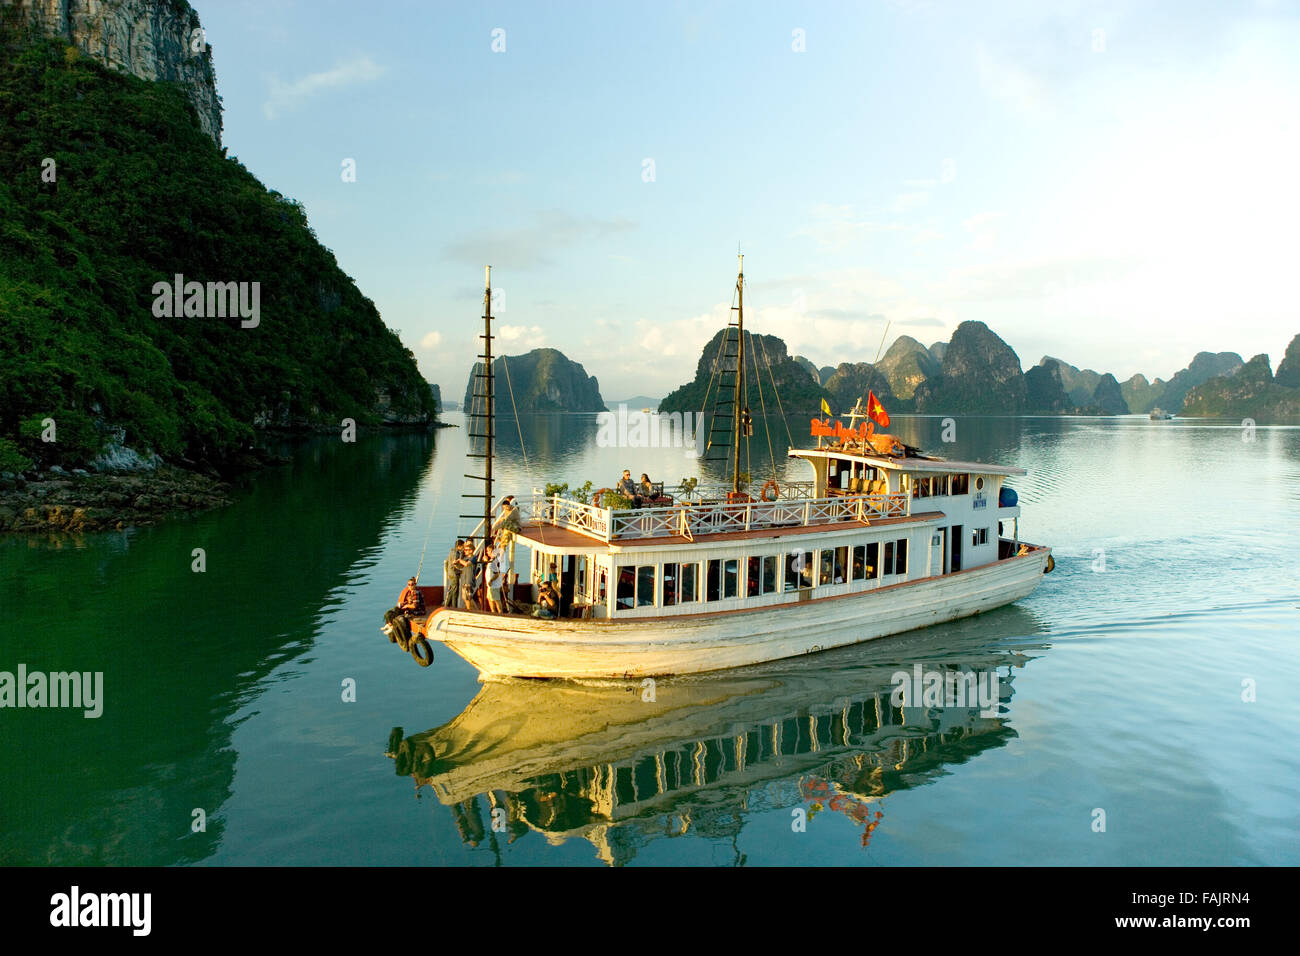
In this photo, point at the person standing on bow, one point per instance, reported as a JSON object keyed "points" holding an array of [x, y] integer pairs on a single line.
{"points": [[506, 527], [451, 576]]}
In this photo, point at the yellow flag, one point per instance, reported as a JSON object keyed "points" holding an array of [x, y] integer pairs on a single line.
{"points": [[826, 409]]}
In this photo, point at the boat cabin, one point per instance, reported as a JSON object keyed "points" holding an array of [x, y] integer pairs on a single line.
{"points": [[866, 520]]}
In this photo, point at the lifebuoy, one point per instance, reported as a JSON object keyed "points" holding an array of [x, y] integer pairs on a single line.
{"points": [[422, 652], [776, 490], [1051, 565]]}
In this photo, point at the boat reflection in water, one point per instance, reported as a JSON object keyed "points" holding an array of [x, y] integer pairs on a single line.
{"points": [[605, 762]]}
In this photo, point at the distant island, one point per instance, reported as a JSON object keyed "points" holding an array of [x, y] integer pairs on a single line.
{"points": [[543, 380], [977, 373], [779, 374]]}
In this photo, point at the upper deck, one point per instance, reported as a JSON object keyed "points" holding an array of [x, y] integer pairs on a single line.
{"points": [[707, 511], [850, 484]]}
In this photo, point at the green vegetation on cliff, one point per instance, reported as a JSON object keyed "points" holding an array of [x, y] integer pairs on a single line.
{"points": [[107, 186], [1250, 391], [980, 376], [543, 380]]}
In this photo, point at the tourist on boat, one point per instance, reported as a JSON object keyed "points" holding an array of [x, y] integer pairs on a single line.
{"points": [[450, 576], [548, 602], [467, 569], [627, 488], [495, 572], [506, 527], [646, 490], [411, 601]]}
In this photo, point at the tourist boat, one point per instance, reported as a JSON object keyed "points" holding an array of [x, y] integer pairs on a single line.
{"points": [[877, 540], [1159, 415]]}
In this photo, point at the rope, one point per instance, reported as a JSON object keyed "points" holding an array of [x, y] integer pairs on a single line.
{"points": [[767, 429], [428, 532], [776, 391]]}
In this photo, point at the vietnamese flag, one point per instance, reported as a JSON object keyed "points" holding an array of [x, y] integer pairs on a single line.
{"points": [[875, 411]]}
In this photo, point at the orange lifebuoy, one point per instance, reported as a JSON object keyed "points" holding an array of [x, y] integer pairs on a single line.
{"points": [[776, 490]]}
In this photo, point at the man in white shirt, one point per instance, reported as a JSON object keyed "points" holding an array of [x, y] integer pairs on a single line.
{"points": [[496, 577]]}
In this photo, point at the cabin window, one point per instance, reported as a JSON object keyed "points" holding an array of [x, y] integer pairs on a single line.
{"points": [[859, 562], [581, 585], [941, 485], [979, 536], [731, 578], [900, 557], [827, 563], [753, 570], [798, 570], [690, 583], [645, 585], [670, 585], [770, 571], [889, 558], [713, 581], [960, 485], [625, 592]]}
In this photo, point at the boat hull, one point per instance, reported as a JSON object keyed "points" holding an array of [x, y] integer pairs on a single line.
{"points": [[515, 646]]}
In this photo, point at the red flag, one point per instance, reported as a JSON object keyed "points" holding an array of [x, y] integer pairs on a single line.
{"points": [[875, 411]]}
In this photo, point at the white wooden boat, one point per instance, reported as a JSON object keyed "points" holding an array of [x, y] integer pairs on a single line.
{"points": [[879, 540]]}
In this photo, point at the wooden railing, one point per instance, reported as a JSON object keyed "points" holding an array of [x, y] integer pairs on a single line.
{"points": [[702, 516]]}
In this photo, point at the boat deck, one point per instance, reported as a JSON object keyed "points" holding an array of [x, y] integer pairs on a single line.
{"points": [[568, 540]]}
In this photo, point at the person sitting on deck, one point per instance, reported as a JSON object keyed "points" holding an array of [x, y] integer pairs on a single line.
{"points": [[411, 601], [548, 602], [627, 488]]}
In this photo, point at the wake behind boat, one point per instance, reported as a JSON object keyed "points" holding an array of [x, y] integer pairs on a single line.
{"points": [[878, 540]]}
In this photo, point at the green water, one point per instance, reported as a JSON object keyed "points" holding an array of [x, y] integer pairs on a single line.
{"points": [[1120, 689]]}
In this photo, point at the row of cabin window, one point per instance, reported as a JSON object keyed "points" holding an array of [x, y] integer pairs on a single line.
{"points": [[765, 574], [935, 486]]}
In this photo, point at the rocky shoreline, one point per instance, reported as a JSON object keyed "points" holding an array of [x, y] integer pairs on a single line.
{"points": [[62, 502]]}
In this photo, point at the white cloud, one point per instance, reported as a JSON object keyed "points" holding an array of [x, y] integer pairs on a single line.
{"points": [[431, 341], [521, 337], [286, 96]]}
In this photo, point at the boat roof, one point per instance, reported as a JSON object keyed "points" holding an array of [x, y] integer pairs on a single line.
{"points": [[919, 463]]}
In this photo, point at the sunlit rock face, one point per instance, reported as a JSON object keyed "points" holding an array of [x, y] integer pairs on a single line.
{"points": [[151, 39]]}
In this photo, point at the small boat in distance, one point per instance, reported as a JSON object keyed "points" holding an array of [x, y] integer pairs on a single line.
{"points": [[877, 540], [1160, 415]]}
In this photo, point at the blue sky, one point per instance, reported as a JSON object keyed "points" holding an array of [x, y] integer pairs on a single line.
{"points": [[1110, 183]]}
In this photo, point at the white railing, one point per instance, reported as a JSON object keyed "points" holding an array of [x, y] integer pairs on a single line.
{"points": [[568, 513], [691, 517], [786, 491]]}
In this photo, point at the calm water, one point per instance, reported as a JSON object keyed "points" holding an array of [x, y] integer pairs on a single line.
{"points": [[1120, 689]]}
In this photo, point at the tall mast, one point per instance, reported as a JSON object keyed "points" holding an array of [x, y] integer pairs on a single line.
{"points": [[488, 405], [740, 372]]}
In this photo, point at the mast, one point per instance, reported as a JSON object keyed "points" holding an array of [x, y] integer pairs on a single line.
{"points": [[740, 410], [488, 405]]}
